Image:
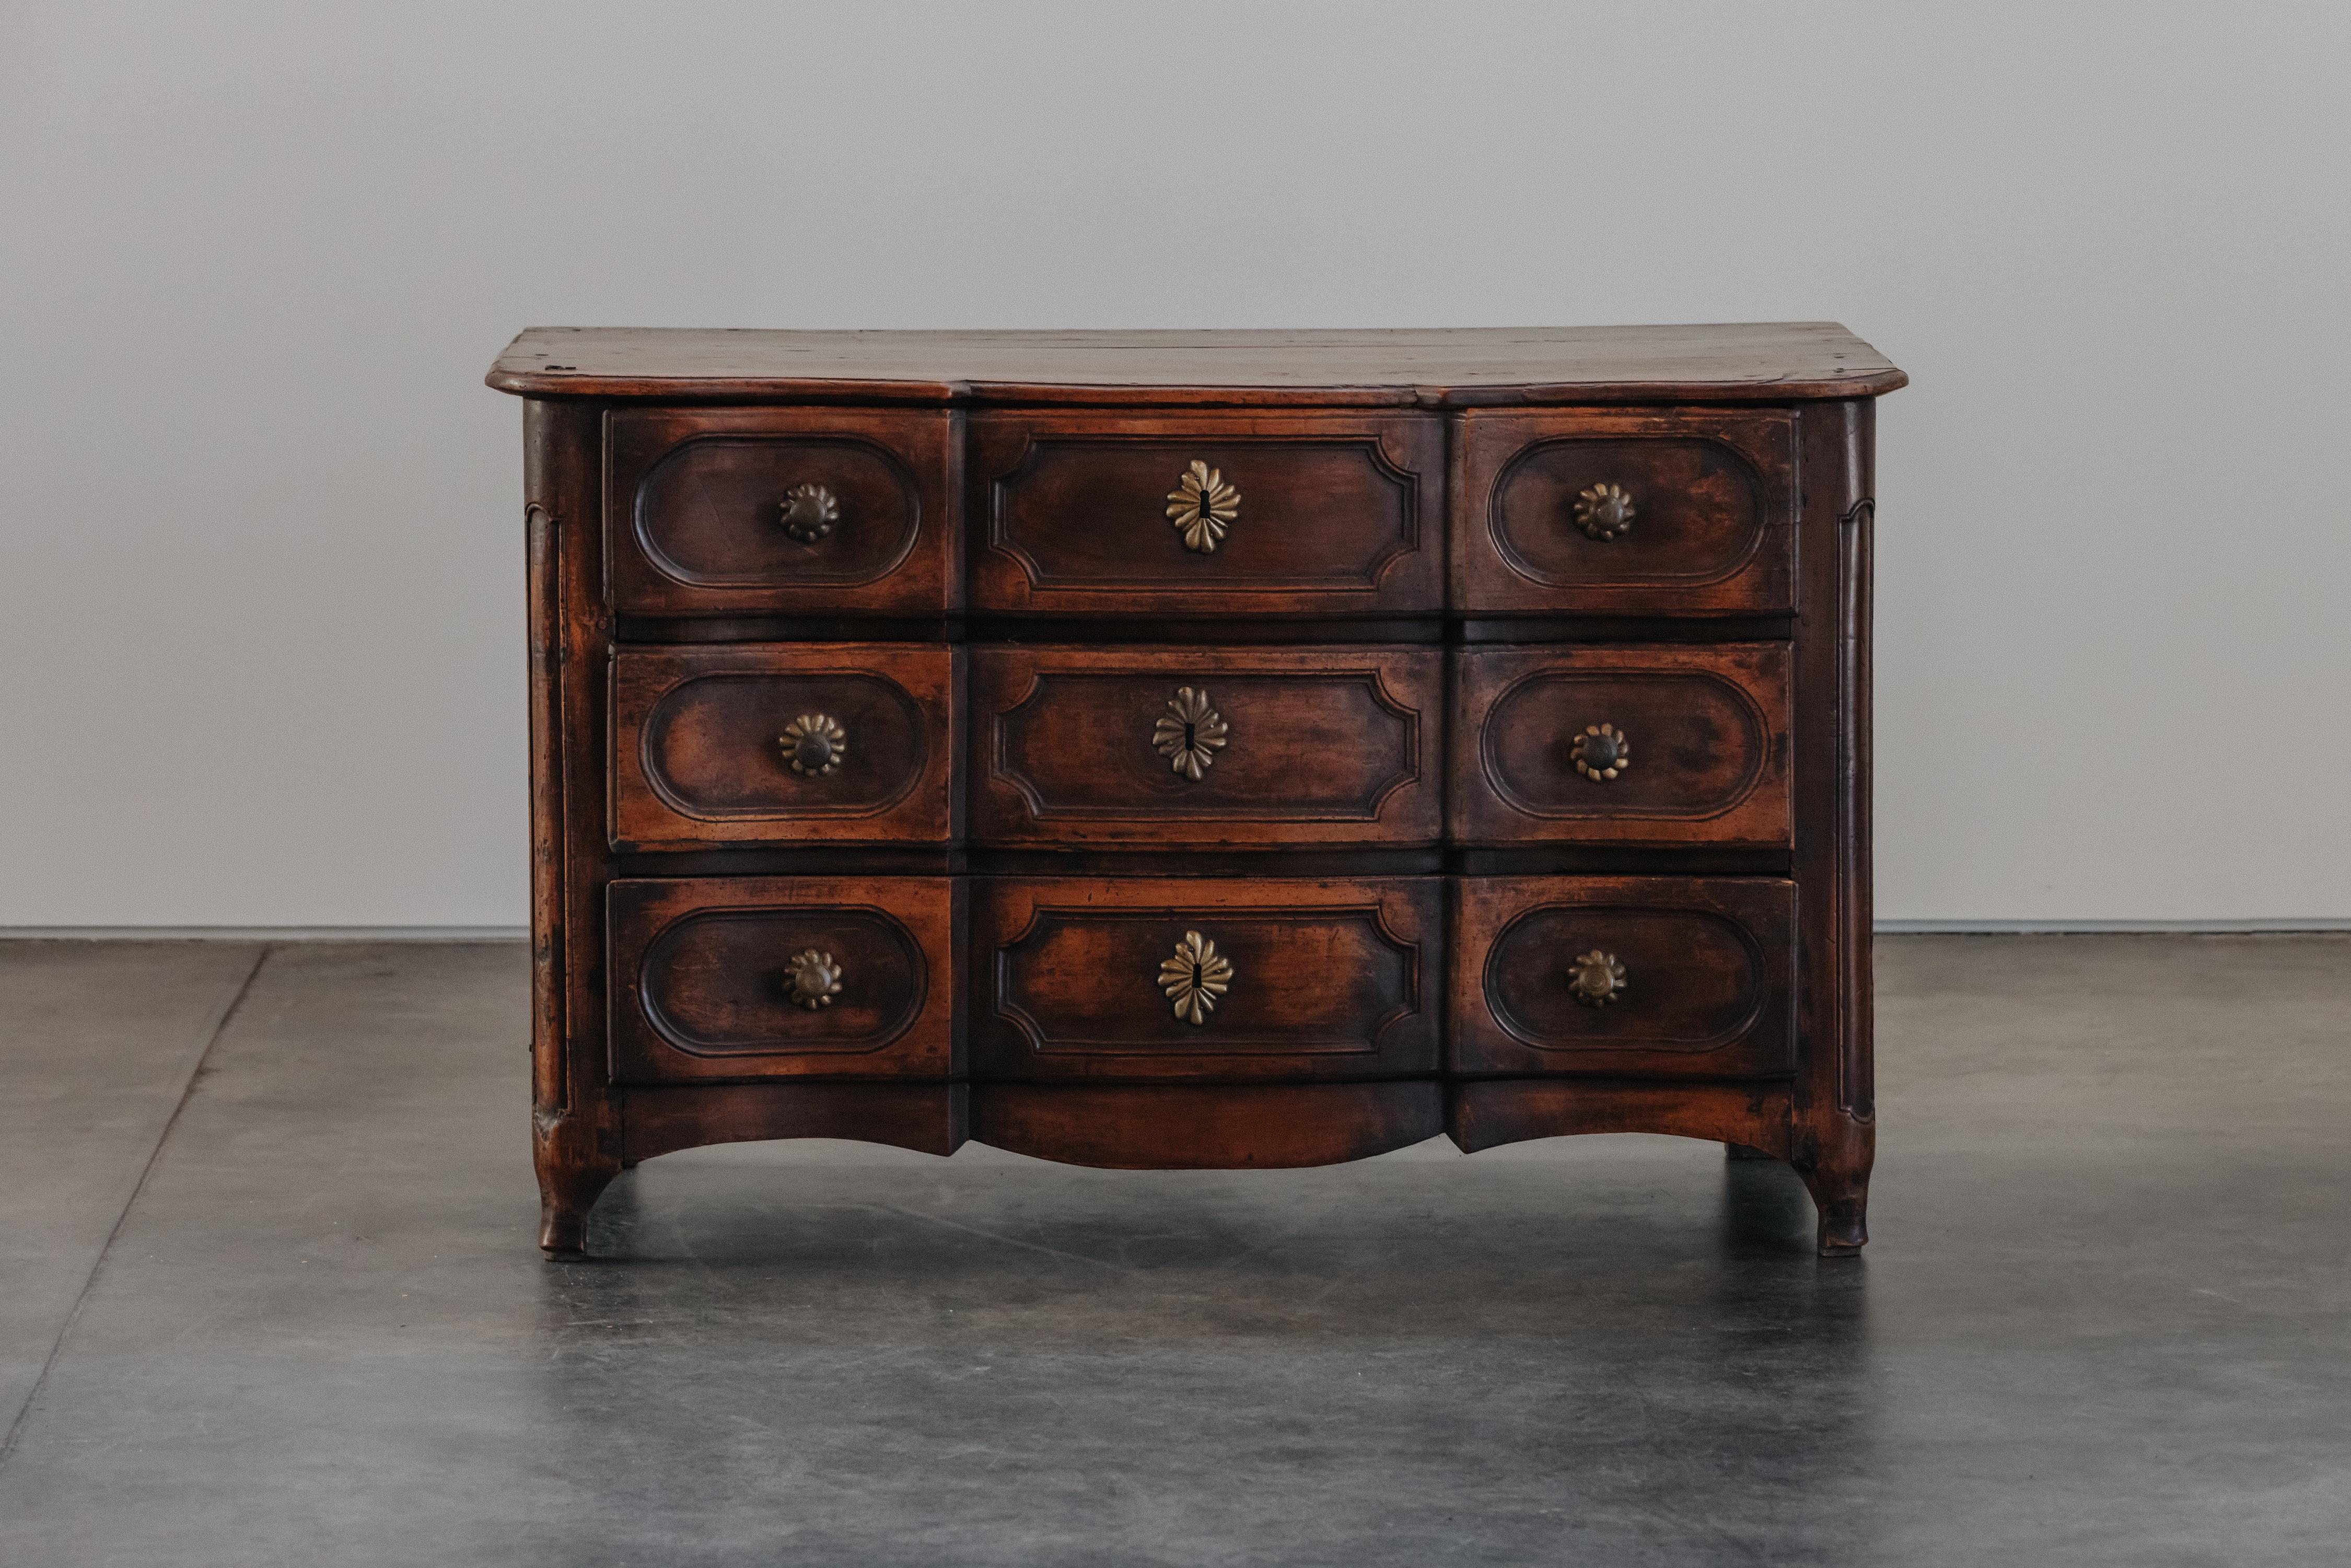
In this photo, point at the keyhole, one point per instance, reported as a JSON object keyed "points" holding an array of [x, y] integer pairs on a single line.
{"points": [[1190, 742]]}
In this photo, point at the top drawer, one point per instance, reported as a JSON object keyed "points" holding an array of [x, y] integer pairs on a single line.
{"points": [[1208, 515], [759, 511], [1601, 512]]}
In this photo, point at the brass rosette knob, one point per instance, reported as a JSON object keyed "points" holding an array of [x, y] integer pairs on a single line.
{"points": [[1601, 752], [1195, 977], [1190, 733], [814, 744], [1202, 507], [1604, 511], [814, 980], [809, 512], [1595, 978]]}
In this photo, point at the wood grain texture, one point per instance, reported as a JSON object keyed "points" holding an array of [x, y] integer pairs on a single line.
{"points": [[1335, 745], [575, 1121], [929, 1118], [1337, 514], [1708, 976], [1834, 1139], [1486, 1114], [1328, 979], [702, 967], [699, 759], [1713, 524], [1172, 1126], [696, 523], [1708, 730], [1744, 363]]}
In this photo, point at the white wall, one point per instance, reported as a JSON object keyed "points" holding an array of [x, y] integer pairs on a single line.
{"points": [[261, 595]]}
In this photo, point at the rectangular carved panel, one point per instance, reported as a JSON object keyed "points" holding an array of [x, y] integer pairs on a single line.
{"points": [[837, 743], [1163, 748], [1204, 979], [1626, 512], [753, 978], [1625, 976], [1692, 745], [1208, 514], [753, 511]]}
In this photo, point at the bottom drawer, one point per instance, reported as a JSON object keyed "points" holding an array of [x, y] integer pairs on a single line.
{"points": [[750, 978], [1691, 976], [1136, 978]]}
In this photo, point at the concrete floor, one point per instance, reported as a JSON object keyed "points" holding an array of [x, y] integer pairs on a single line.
{"points": [[267, 1295]]}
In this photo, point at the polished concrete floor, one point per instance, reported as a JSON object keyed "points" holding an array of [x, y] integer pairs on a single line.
{"points": [[268, 1295]]}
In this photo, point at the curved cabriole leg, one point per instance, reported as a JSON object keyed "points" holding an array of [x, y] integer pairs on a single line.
{"points": [[1839, 1191], [573, 1172]]}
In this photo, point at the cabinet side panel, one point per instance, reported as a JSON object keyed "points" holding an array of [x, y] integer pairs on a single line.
{"points": [[578, 1125], [1833, 1137]]}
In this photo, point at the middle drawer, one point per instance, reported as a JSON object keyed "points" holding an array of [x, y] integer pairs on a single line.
{"points": [[1167, 748]]}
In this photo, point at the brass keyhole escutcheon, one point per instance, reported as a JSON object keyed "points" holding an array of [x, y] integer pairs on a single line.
{"points": [[814, 979], [814, 744], [1195, 977], [1604, 511], [1202, 507], [809, 512], [1190, 733], [1601, 752], [1595, 978]]}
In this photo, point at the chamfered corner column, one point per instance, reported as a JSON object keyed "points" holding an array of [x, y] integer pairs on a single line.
{"points": [[1833, 1137], [575, 1119]]}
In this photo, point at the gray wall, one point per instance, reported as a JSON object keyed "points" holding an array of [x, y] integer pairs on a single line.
{"points": [[260, 601]]}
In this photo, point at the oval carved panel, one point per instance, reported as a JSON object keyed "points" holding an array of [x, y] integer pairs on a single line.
{"points": [[1606, 745], [764, 511], [715, 512], [713, 745], [763, 744], [1627, 512], [1690, 981], [753, 978], [723, 980], [1697, 506], [1698, 976]]}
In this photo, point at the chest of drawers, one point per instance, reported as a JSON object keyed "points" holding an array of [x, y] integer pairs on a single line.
{"points": [[1199, 749]]}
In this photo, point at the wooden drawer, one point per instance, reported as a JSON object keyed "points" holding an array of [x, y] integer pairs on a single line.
{"points": [[750, 978], [751, 511], [1308, 514], [1164, 747], [1627, 512], [1625, 976], [1093, 978], [1697, 737], [775, 744]]}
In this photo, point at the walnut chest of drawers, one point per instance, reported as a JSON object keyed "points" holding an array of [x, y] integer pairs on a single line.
{"points": [[1163, 749]]}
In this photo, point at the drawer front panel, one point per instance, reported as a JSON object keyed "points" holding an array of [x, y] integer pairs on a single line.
{"points": [[1208, 515], [751, 977], [767, 744], [1627, 512], [1631, 976], [1169, 746], [761, 511], [1172, 978], [1596, 745]]}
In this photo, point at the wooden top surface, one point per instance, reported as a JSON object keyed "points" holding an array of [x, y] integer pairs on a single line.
{"points": [[1767, 361]]}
